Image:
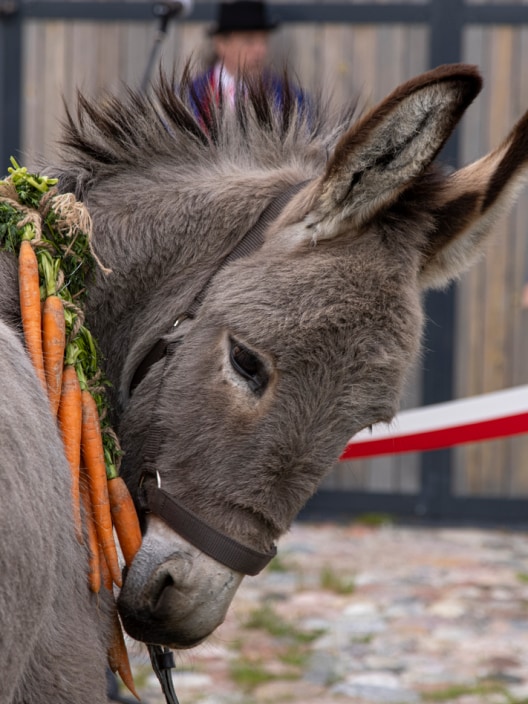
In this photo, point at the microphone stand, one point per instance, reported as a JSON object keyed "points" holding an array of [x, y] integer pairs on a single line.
{"points": [[165, 11]]}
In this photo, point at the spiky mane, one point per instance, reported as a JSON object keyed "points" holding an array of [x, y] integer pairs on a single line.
{"points": [[134, 128]]}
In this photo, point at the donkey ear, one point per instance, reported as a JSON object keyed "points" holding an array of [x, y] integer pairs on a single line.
{"points": [[470, 203], [379, 156]]}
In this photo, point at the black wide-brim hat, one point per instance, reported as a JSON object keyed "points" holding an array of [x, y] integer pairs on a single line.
{"points": [[243, 16]]}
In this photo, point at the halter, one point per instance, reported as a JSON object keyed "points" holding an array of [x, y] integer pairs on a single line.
{"points": [[152, 498]]}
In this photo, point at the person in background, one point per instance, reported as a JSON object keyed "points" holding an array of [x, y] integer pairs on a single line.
{"points": [[241, 40]]}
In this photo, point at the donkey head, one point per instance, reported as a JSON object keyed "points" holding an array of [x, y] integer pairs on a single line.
{"points": [[304, 342]]}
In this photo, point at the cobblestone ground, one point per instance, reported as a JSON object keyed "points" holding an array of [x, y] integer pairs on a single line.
{"points": [[360, 615]]}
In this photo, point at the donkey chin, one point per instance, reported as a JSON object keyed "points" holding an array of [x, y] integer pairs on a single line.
{"points": [[173, 594]]}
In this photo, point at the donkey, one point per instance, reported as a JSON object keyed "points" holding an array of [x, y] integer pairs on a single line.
{"points": [[264, 304]]}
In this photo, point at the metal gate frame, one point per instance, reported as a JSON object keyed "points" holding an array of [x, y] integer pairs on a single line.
{"points": [[446, 20]]}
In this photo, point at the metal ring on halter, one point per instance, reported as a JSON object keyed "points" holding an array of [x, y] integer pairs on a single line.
{"points": [[144, 473], [141, 492]]}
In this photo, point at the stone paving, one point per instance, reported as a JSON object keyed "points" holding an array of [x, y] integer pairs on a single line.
{"points": [[369, 615]]}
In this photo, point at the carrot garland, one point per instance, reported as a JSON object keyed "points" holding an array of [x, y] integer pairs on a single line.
{"points": [[54, 257]]}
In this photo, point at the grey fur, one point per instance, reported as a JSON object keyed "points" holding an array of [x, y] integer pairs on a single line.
{"points": [[332, 304]]}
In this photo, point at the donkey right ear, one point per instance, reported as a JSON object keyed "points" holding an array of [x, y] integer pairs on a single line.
{"points": [[393, 144]]}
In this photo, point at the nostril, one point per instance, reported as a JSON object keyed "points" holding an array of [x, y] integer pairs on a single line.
{"points": [[165, 583]]}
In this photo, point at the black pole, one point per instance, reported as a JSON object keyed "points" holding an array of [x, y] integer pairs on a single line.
{"points": [[10, 82], [446, 28], [165, 11]]}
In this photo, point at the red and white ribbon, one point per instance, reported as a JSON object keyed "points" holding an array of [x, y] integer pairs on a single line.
{"points": [[488, 417]]}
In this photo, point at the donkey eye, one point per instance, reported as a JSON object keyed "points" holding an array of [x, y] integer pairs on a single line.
{"points": [[248, 366]]}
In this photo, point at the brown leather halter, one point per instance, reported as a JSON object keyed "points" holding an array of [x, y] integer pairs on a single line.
{"points": [[151, 497]]}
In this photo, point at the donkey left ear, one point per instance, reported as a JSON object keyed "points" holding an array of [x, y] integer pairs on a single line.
{"points": [[380, 155], [470, 202]]}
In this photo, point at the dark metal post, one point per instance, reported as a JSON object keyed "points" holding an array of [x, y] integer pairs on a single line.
{"points": [[165, 11], [10, 81], [447, 23]]}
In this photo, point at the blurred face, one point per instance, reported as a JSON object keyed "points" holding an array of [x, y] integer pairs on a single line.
{"points": [[242, 50]]}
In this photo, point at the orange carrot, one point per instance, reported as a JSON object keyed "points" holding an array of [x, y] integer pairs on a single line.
{"points": [[125, 518], [69, 417], [53, 344], [28, 283], [94, 566], [94, 460], [118, 655], [106, 577]]}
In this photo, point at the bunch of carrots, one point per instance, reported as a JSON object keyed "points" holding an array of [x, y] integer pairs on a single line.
{"points": [[54, 262]]}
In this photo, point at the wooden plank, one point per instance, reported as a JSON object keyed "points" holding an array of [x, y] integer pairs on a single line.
{"points": [[33, 118], [493, 467], [85, 41], [407, 468], [470, 290], [519, 327], [193, 40], [333, 64], [310, 67], [50, 74], [136, 44], [495, 362], [106, 60], [365, 65], [416, 50]]}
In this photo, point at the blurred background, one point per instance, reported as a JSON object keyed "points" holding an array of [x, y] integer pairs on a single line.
{"points": [[356, 607], [476, 338]]}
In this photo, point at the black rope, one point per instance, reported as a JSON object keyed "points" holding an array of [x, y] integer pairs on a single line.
{"points": [[162, 660]]}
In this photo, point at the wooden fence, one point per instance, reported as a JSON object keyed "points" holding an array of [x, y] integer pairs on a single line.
{"points": [[490, 347]]}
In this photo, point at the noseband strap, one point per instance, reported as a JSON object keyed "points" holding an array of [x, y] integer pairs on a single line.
{"points": [[203, 536]]}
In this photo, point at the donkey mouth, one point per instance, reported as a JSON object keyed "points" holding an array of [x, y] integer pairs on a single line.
{"points": [[147, 629]]}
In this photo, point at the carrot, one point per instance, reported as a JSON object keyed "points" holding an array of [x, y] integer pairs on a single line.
{"points": [[125, 518], [106, 577], [118, 656], [53, 344], [117, 653], [69, 418], [94, 460], [94, 566], [29, 289]]}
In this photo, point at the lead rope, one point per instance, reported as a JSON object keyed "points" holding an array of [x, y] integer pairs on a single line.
{"points": [[162, 660]]}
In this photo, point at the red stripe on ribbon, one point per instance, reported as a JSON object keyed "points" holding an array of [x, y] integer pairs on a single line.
{"points": [[439, 438]]}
